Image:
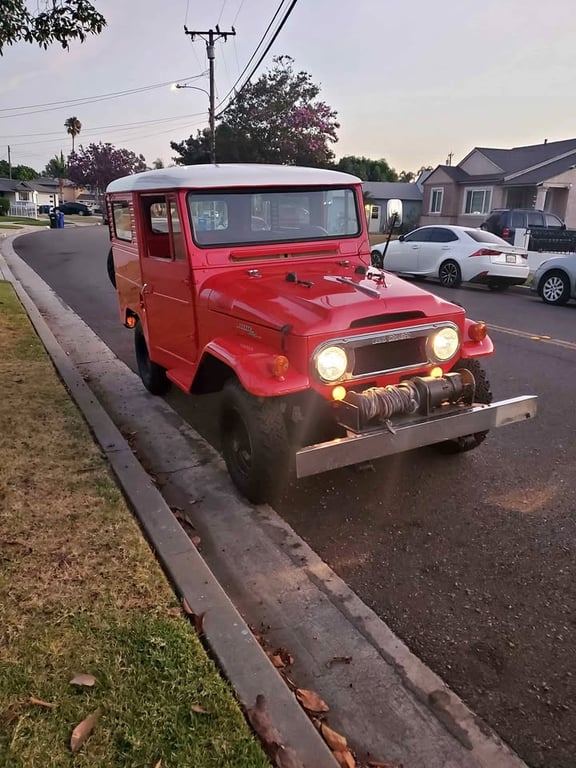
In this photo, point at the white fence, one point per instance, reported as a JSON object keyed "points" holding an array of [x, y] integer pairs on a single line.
{"points": [[21, 208]]}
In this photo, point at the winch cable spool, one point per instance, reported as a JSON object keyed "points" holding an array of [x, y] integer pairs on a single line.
{"points": [[421, 394]]}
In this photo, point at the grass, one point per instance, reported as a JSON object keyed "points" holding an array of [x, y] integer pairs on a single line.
{"points": [[7, 220], [380, 238], [81, 592]]}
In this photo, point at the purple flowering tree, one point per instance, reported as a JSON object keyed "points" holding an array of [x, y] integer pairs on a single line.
{"points": [[98, 164], [277, 119]]}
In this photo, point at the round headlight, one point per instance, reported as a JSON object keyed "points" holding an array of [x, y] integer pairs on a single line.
{"points": [[331, 363], [444, 344]]}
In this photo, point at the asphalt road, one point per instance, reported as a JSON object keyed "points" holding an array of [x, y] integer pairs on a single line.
{"points": [[470, 559]]}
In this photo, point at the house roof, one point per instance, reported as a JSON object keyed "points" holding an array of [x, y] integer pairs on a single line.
{"points": [[519, 158], [388, 190], [12, 185], [538, 175], [230, 175]]}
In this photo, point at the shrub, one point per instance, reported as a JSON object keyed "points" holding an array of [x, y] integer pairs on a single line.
{"points": [[4, 206]]}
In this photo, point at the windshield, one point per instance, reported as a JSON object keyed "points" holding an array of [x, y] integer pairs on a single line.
{"points": [[272, 216]]}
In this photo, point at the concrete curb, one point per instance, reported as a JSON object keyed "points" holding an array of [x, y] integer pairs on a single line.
{"points": [[240, 656]]}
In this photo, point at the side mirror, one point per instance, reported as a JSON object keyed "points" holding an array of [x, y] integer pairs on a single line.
{"points": [[401, 238], [394, 213]]}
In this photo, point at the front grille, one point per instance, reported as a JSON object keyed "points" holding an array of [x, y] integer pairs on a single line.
{"points": [[372, 358]]}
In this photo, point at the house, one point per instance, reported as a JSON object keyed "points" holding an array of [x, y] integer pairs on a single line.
{"points": [[66, 190], [376, 196], [541, 176], [22, 198]]}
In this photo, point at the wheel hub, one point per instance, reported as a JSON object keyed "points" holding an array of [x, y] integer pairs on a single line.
{"points": [[553, 288]]}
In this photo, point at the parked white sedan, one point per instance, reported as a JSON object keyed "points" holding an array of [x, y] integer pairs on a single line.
{"points": [[454, 255], [555, 280]]}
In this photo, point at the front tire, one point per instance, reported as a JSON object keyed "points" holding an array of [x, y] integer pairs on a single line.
{"points": [[554, 288], [482, 395], [376, 259], [450, 274], [153, 375], [255, 443]]}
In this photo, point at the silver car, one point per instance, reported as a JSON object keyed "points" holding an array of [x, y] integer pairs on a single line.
{"points": [[555, 280]]}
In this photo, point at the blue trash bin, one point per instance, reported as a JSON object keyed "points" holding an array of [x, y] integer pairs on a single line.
{"points": [[60, 216]]}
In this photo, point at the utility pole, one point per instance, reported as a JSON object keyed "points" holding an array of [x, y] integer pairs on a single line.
{"points": [[9, 163], [210, 36]]}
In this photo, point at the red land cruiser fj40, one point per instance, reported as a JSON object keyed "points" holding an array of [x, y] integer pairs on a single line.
{"points": [[256, 281]]}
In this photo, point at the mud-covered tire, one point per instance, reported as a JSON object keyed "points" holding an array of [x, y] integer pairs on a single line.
{"points": [[450, 274], [255, 443], [482, 395], [110, 268], [153, 375]]}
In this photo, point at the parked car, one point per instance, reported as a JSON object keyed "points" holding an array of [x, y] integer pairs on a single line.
{"points": [[454, 255], [78, 209], [555, 280], [505, 221]]}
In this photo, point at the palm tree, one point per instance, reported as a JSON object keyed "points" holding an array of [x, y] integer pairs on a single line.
{"points": [[73, 127], [56, 168]]}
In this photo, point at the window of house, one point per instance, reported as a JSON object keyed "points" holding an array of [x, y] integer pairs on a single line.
{"points": [[436, 199], [24, 197], [375, 212], [122, 220], [477, 201]]}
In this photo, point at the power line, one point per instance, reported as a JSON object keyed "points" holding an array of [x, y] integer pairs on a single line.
{"points": [[238, 12], [262, 57], [221, 11], [55, 105]]}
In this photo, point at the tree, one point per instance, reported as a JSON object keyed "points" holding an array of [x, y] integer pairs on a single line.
{"points": [[277, 119], [367, 169], [98, 164], [19, 172], [58, 21], [73, 127], [406, 176], [158, 163], [56, 169]]}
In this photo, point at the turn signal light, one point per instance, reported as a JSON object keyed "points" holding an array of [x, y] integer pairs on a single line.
{"points": [[437, 372], [131, 321], [280, 365], [338, 393], [478, 331]]}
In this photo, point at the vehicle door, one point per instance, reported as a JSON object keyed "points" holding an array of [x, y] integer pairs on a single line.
{"points": [[167, 284], [442, 244], [402, 255]]}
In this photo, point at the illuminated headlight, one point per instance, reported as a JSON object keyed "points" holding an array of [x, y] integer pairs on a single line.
{"points": [[331, 363], [444, 344]]}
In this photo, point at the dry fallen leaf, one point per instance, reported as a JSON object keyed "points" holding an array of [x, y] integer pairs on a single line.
{"points": [[311, 701], [381, 764], [338, 660], [82, 679], [199, 710], [83, 731], [260, 721], [277, 661], [40, 703], [335, 740], [199, 622], [286, 657], [196, 540], [345, 759], [186, 608], [158, 764]]}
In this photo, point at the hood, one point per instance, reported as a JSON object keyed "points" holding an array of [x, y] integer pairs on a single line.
{"points": [[322, 297]]}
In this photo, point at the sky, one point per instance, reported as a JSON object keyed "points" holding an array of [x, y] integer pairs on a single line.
{"points": [[412, 82]]}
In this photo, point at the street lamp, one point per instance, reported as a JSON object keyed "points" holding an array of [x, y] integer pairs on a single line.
{"points": [[211, 110]]}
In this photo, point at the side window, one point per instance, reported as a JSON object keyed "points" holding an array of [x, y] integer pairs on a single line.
{"points": [[518, 220], [418, 236], [122, 220], [155, 218], [535, 219], [178, 245], [553, 221], [437, 235]]}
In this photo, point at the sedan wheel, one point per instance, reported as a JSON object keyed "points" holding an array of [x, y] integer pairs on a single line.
{"points": [[450, 274], [376, 259], [555, 288]]}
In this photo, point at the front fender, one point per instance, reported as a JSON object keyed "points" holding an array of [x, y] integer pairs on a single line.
{"points": [[471, 348], [252, 364]]}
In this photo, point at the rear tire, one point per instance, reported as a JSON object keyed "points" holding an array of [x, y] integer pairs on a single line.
{"points": [[110, 268], [153, 375], [376, 259], [255, 443], [450, 274], [483, 395], [554, 287]]}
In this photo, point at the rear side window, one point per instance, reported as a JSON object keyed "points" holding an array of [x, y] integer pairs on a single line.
{"points": [[535, 219], [437, 235], [553, 221], [518, 220], [122, 220]]}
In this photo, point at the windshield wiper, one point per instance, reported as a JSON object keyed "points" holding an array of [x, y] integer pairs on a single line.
{"points": [[348, 281]]}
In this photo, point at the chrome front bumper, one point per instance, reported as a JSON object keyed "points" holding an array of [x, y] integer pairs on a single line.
{"points": [[410, 434]]}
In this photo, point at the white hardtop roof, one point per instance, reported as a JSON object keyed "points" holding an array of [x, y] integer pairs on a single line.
{"points": [[229, 175]]}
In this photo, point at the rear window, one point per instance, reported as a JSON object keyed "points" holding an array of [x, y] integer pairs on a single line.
{"points": [[122, 220], [481, 236]]}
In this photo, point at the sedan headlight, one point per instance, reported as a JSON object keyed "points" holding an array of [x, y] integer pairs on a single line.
{"points": [[331, 363], [443, 344]]}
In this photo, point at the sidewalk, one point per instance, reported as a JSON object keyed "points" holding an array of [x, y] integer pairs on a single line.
{"points": [[80, 592]]}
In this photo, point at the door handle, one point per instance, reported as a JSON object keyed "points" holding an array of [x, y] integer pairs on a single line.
{"points": [[146, 289]]}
